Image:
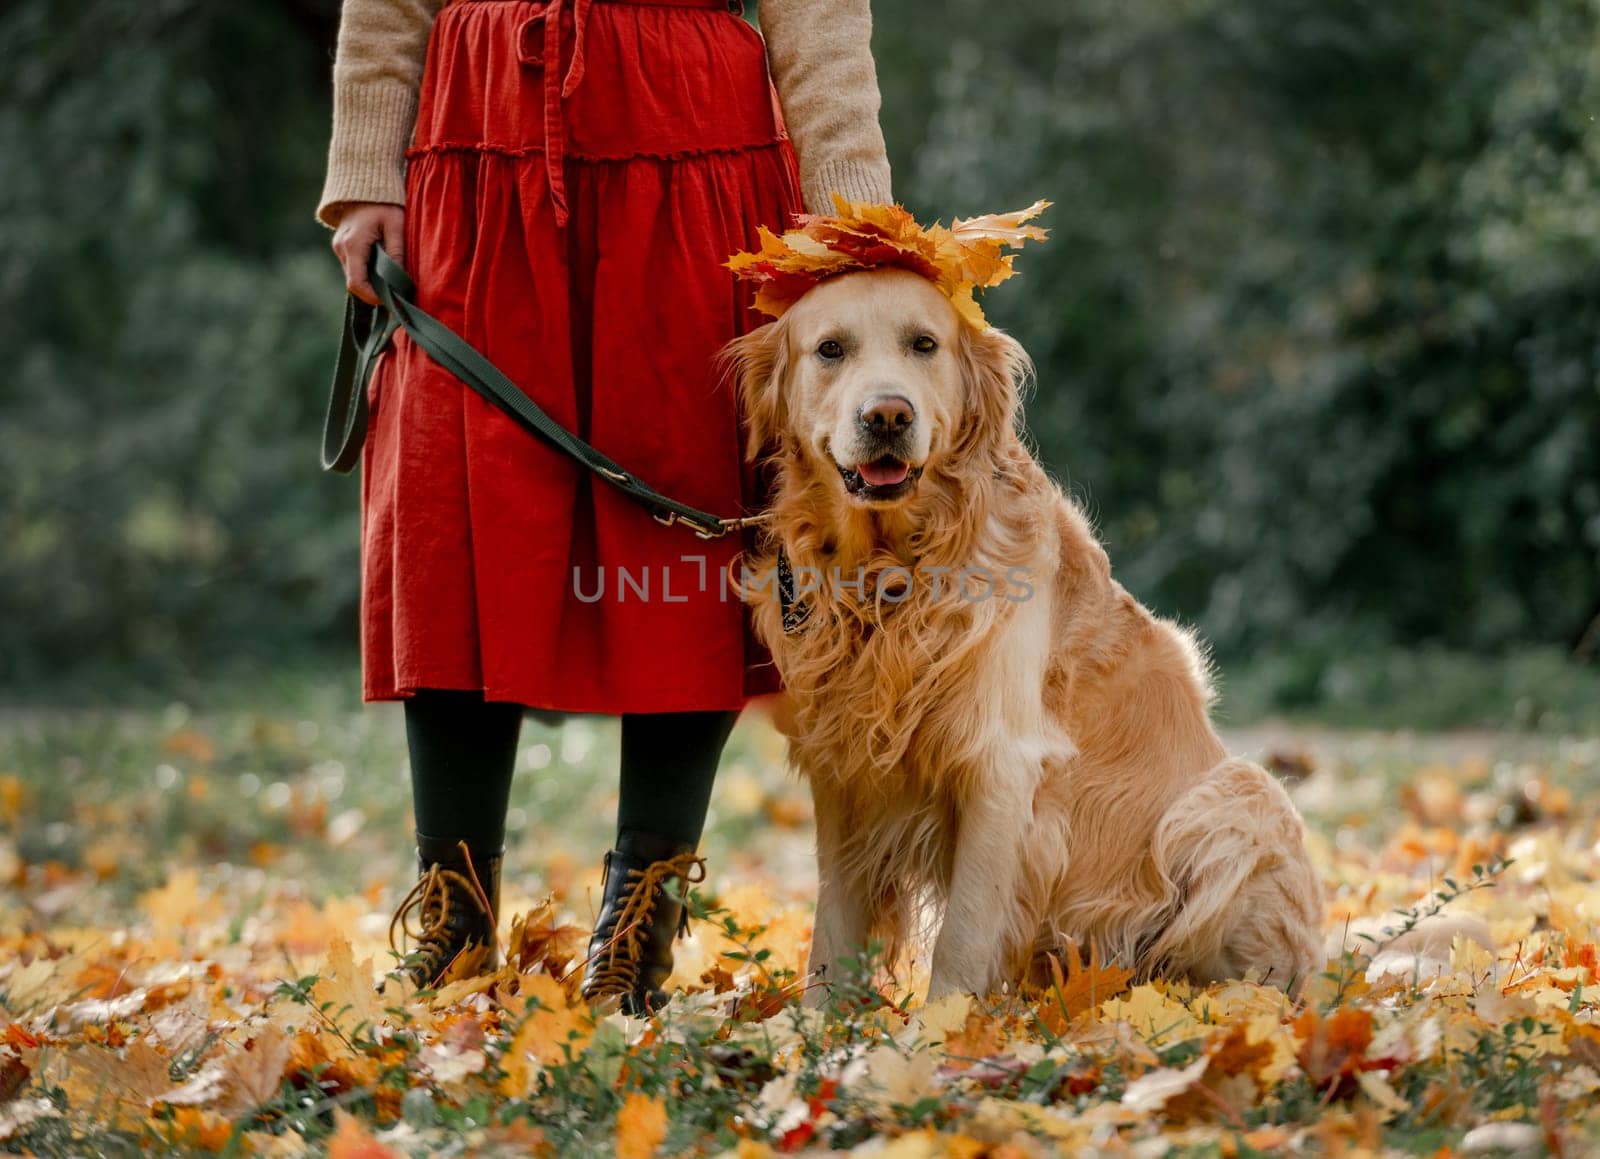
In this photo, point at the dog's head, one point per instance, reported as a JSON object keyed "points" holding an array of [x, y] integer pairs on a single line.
{"points": [[873, 380]]}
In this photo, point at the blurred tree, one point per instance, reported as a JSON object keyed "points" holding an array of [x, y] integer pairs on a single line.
{"points": [[1316, 327], [170, 308]]}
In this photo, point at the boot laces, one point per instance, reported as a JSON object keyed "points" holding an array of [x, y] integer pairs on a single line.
{"points": [[431, 904], [616, 970]]}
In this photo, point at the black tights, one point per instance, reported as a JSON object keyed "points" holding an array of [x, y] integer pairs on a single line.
{"points": [[464, 750]]}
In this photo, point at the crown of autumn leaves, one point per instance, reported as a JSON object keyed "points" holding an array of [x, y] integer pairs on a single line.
{"points": [[966, 256]]}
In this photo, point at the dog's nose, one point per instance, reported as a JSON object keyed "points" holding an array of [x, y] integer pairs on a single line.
{"points": [[885, 414]]}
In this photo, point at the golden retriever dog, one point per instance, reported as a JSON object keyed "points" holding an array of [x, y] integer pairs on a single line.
{"points": [[987, 720]]}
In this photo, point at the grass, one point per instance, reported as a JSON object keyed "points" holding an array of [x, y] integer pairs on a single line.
{"points": [[1527, 689]]}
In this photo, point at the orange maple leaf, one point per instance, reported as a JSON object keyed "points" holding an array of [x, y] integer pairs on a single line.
{"points": [[353, 1141], [641, 1126], [1584, 955], [196, 1129], [1234, 1054], [1333, 1049], [190, 743], [538, 942], [981, 1036], [338, 1071], [1085, 985]]}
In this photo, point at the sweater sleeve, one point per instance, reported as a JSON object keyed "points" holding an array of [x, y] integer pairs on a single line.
{"points": [[820, 55], [377, 72]]}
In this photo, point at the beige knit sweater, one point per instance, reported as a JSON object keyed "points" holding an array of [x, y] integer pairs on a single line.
{"points": [[819, 52]]}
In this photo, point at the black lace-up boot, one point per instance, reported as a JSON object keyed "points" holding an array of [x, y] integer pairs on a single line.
{"points": [[448, 919], [630, 954]]}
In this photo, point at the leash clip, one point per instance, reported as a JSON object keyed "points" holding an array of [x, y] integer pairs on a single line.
{"points": [[700, 529]]}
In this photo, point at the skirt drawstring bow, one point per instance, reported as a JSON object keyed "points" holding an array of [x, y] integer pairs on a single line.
{"points": [[557, 87]]}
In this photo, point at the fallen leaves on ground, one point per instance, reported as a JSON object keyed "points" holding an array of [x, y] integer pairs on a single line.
{"points": [[1459, 1013]]}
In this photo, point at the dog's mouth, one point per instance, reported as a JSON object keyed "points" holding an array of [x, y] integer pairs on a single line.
{"points": [[881, 479]]}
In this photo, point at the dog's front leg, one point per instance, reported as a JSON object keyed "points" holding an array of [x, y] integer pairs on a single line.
{"points": [[981, 914], [843, 921]]}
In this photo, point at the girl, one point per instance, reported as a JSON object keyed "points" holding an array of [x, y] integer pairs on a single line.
{"points": [[565, 180]]}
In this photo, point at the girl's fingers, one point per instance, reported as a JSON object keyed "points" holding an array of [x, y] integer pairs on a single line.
{"points": [[355, 280], [394, 236], [352, 243], [353, 250]]}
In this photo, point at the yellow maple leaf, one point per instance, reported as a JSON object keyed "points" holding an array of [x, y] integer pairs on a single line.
{"points": [[945, 1016], [1152, 1014], [252, 1074], [897, 1078], [1268, 1031], [967, 307], [450, 993], [344, 988], [1004, 227], [551, 1030], [124, 1083], [641, 1126], [1377, 1088], [307, 928], [180, 904], [971, 249], [1241, 999], [35, 985]]}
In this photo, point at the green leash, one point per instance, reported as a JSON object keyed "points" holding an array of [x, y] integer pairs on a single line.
{"points": [[367, 331]]}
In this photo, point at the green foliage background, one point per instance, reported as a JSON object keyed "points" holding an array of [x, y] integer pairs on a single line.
{"points": [[1316, 327]]}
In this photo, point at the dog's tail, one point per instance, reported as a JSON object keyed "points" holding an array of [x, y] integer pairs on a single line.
{"points": [[1410, 943]]}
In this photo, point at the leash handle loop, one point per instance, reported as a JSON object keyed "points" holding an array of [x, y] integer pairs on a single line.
{"points": [[367, 331]]}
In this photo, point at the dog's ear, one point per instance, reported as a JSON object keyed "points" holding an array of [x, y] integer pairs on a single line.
{"points": [[994, 369], [758, 361]]}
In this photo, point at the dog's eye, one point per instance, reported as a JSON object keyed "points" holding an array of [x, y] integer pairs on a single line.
{"points": [[923, 344], [831, 349]]}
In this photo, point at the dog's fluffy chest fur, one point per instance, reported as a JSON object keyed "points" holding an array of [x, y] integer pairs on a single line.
{"points": [[912, 654], [900, 704]]}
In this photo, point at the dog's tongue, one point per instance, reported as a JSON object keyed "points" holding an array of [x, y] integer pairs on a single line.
{"points": [[884, 472]]}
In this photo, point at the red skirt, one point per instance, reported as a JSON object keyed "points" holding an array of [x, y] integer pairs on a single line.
{"points": [[571, 218]]}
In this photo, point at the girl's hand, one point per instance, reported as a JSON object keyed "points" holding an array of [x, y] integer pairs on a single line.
{"points": [[359, 226]]}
